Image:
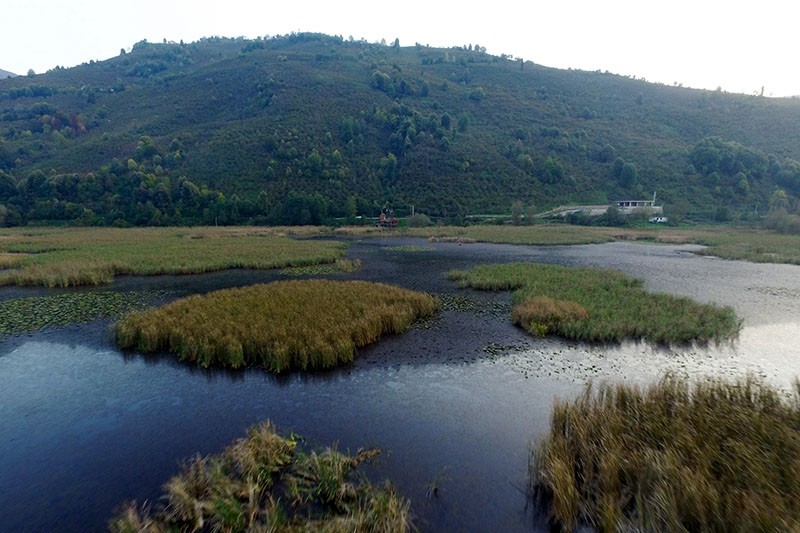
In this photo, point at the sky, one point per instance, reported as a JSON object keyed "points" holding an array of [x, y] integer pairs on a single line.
{"points": [[729, 44]]}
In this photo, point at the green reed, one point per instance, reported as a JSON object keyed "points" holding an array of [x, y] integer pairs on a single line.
{"points": [[599, 305]]}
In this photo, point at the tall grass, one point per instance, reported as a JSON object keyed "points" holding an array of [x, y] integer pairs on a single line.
{"points": [[265, 482], [93, 256], [297, 324], [713, 456], [599, 305]]}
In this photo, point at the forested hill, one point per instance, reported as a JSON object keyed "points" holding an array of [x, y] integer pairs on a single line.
{"points": [[308, 127]]}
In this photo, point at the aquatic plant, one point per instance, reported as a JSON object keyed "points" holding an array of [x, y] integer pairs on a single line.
{"points": [[266, 482], [295, 324], [599, 305], [712, 456], [28, 314], [340, 265], [65, 257]]}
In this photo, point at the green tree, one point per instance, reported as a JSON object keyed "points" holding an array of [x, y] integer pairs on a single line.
{"points": [[628, 175], [516, 213]]}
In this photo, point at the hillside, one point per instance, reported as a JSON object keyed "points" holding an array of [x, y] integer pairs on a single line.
{"points": [[6, 74], [302, 128]]}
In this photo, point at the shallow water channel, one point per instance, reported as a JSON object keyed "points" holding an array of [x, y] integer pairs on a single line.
{"points": [[454, 403]]}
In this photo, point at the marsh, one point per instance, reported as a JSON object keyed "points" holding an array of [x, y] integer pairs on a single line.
{"points": [[455, 403]]}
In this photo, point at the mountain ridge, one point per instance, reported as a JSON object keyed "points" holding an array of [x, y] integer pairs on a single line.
{"points": [[305, 127]]}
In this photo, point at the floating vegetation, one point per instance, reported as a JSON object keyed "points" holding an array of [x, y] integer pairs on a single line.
{"points": [[715, 456], [408, 248], [29, 314], [599, 305], [296, 324], [265, 482], [65, 257], [466, 304], [340, 265]]}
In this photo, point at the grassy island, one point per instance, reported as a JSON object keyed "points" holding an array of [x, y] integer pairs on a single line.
{"points": [[598, 305], [714, 456], [296, 324], [65, 257], [264, 482]]}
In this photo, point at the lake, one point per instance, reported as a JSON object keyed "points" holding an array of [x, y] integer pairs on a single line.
{"points": [[454, 403]]}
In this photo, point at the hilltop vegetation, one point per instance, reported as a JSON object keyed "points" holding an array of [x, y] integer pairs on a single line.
{"points": [[303, 128]]}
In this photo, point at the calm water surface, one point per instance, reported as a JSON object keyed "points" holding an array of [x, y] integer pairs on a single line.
{"points": [[84, 427]]}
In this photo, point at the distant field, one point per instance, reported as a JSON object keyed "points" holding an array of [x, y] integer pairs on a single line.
{"points": [[63, 257], [760, 246]]}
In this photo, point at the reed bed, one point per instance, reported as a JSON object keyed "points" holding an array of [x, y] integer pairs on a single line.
{"points": [[295, 324], [712, 456], [265, 482], [93, 256], [599, 305]]}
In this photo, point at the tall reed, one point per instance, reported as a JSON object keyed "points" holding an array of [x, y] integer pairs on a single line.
{"points": [[709, 456], [297, 324], [265, 482]]}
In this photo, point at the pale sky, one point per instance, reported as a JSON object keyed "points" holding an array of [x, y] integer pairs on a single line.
{"points": [[734, 45]]}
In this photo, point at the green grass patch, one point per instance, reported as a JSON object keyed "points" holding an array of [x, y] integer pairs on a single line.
{"points": [[265, 482], [295, 324], [713, 456], [340, 265], [408, 248], [29, 314], [93, 256], [599, 305], [540, 234]]}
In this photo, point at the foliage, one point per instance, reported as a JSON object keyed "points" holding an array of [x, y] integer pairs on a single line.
{"points": [[300, 128], [299, 324], [266, 482], [60, 257], [713, 456], [599, 305]]}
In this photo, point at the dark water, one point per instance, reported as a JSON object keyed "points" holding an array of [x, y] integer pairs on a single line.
{"points": [[84, 428]]}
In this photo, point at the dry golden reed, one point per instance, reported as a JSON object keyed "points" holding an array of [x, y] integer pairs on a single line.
{"points": [[298, 324], [709, 456]]}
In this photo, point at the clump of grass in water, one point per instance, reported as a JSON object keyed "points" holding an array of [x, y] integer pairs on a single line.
{"points": [[264, 482], [296, 324], [599, 305], [341, 265], [713, 456]]}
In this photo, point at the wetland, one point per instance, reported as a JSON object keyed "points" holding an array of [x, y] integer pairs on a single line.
{"points": [[455, 403]]}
